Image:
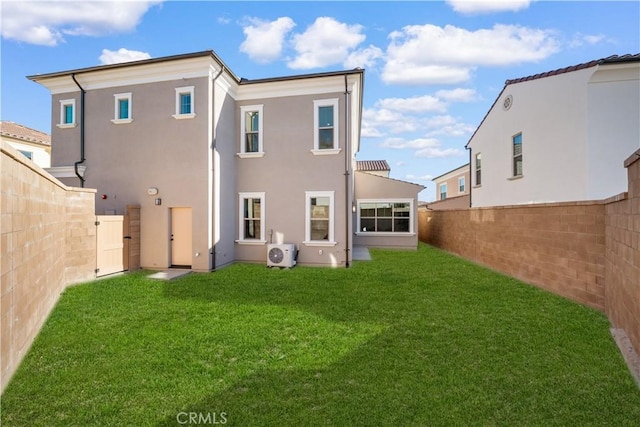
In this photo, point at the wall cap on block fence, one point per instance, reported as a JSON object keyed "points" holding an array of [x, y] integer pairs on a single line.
{"points": [[632, 159]]}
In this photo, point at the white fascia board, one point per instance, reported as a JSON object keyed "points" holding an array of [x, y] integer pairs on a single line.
{"points": [[134, 75], [277, 89]]}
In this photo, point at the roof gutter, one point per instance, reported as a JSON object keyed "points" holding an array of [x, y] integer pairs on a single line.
{"points": [[82, 158]]}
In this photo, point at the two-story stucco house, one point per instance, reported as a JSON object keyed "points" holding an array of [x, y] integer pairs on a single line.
{"points": [[452, 189], [559, 136], [221, 166]]}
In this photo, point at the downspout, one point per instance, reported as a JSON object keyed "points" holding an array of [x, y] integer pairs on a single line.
{"points": [[82, 158], [470, 177], [213, 160], [347, 169]]}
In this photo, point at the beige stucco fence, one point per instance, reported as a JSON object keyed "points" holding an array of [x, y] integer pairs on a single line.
{"points": [[585, 251]]}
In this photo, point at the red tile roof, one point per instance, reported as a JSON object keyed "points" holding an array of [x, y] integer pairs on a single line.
{"points": [[14, 130], [372, 165]]}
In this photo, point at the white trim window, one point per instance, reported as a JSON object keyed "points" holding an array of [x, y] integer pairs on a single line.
{"points": [[251, 131], [325, 127], [251, 228], [443, 191], [517, 154], [462, 184], [478, 169], [385, 217], [122, 108], [185, 103], [319, 218], [67, 113]]}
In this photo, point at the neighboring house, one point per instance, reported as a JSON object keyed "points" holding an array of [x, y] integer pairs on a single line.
{"points": [[33, 144], [452, 189], [385, 208], [221, 166], [375, 167], [559, 136]]}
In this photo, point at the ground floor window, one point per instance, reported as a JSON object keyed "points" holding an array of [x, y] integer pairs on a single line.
{"points": [[385, 216], [251, 220], [319, 224]]}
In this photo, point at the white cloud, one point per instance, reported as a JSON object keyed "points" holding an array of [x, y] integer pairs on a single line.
{"points": [[488, 6], [265, 39], [418, 143], [47, 23], [122, 55], [428, 54], [418, 104], [447, 125], [325, 42], [580, 39], [364, 58], [458, 95], [432, 153]]}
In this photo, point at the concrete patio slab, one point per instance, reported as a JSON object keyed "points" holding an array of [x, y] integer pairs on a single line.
{"points": [[361, 253], [169, 274]]}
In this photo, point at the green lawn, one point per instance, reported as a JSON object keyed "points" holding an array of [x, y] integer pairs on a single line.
{"points": [[411, 338]]}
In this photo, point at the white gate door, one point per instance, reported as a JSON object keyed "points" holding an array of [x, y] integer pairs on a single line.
{"points": [[110, 246]]}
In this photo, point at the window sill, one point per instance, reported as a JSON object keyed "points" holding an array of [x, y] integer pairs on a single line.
{"points": [[318, 243], [251, 242], [67, 125], [326, 151], [121, 121], [477, 186], [514, 178], [184, 116], [384, 234], [250, 155]]}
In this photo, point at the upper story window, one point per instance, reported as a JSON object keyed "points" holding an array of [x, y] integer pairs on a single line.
{"points": [[517, 154], [122, 108], [185, 103], [479, 169], [67, 113], [27, 154], [251, 221], [319, 223], [385, 216], [251, 135], [443, 191], [325, 125], [462, 184]]}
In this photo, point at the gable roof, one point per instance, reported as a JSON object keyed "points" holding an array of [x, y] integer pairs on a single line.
{"points": [[372, 165], [17, 131], [613, 59], [465, 166]]}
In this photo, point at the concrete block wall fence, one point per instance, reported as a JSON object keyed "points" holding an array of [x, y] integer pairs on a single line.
{"points": [[586, 251]]}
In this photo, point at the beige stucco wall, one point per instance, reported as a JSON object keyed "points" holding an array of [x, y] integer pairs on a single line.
{"points": [[154, 151], [453, 188], [370, 186], [48, 241], [289, 169]]}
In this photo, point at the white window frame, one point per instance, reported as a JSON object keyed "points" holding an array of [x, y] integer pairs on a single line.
{"points": [[243, 110], [307, 224], [116, 108], [63, 103], [477, 170], [515, 156], [334, 102], [411, 231], [241, 198], [180, 91], [462, 182], [446, 191]]}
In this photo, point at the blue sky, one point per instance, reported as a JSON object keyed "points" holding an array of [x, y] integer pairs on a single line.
{"points": [[433, 68]]}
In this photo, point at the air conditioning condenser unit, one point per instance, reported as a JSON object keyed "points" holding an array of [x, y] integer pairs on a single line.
{"points": [[281, 255]]}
